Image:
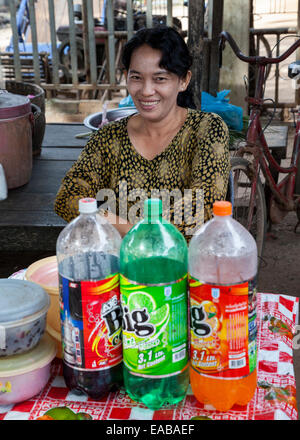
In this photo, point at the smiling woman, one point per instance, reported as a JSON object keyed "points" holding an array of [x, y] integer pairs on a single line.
{"points": [[166, 149], [154, 91]]}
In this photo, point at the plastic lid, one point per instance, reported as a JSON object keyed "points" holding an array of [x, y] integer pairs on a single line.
{"points": [[39, 356], [12, 105], [20, 299], [222, 208], [88, 205], [152, 208]]}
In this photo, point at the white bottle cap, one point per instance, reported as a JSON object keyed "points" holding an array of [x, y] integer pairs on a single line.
{"points": [[87, 206]]}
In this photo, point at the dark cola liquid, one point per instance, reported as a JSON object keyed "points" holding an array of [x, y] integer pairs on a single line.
{"points": [[95, 384], [92, 266]]}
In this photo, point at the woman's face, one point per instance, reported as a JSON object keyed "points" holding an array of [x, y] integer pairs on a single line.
{"points": [[153, 89]]}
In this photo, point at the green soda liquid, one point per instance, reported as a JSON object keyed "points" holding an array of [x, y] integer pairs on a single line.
{"points": [[153, 268]]}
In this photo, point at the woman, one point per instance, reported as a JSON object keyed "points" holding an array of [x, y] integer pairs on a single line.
{"points": [[167, 149]]}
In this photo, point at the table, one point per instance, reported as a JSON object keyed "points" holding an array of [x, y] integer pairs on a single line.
{"points": [[274, 399], [27, 217]]}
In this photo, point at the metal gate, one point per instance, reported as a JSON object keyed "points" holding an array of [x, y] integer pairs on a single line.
{"points": [[84, 53]]}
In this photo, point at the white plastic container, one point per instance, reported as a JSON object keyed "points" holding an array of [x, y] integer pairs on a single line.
{"points": [[22, 376], [23, 313]]}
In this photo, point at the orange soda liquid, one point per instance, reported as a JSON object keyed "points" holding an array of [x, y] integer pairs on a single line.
{"points": [[223, 394], [222, 284]]}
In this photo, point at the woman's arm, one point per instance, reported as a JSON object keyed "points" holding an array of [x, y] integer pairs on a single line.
{"points": [[209, 176], [84, 179]]}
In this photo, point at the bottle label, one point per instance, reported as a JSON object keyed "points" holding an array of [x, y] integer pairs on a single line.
{"points": [[223, 329], [91, 323], [155, 327]]}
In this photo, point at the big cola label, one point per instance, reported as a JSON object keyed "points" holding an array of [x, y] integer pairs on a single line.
{"points": [[137, 322], [111, 313], [91, 319], [154, 323]]}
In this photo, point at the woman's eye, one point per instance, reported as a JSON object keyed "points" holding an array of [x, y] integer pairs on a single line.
{"points": [[134, 77], [161, 79]]}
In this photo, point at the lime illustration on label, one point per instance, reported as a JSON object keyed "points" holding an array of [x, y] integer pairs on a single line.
{"points": [[155, 333]]}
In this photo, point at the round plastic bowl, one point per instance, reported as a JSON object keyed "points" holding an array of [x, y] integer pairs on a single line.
{"points": [[23, 313], [45, 273], [22, 376]]}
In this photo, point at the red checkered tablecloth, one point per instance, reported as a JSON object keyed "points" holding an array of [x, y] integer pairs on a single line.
{"points": [[274, 399]]}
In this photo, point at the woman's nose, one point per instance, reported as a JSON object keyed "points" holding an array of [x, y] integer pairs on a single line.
{"points": [[147, 88]]}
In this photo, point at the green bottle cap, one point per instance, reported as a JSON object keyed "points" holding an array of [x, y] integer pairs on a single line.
{"points": [[152, 208]]}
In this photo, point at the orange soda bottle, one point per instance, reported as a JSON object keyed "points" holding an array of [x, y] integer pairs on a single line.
{"points": [[222, 283]]}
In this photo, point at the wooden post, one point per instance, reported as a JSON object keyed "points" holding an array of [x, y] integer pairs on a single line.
{"points": [[73, 45], [214, 29], [91, 42], [36, 61], [129, 19], [149, 14], [17, 61], [86, 42], [55, 58], [206, 64], [236, 21], [169, 13], [195, 43]]}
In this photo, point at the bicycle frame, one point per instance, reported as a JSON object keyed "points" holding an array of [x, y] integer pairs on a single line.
{"points": [[256, 143], [258, 147]]}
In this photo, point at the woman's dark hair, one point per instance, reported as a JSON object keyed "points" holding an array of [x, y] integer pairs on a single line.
{"points": [[176, 57]]}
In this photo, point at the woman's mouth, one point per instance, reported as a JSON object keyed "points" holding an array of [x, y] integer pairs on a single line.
{"points": [[149, 105]]}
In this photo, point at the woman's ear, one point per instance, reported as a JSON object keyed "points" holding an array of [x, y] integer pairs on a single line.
{"points": [[185, 81]]}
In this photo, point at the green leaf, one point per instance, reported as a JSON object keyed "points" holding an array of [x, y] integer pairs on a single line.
{"points": [[201, 418]]}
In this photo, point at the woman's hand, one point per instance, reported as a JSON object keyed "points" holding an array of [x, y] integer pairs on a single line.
{"points": [[123, 226]]}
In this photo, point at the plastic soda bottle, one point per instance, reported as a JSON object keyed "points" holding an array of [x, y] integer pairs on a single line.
{"points": [[153, 279], [222, 284], [88, 251]]}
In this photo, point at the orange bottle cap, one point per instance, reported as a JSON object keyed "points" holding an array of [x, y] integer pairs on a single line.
{"points": [[222, 208]]}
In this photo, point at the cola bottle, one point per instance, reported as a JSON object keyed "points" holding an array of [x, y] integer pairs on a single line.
{"points": [[91, 320]]}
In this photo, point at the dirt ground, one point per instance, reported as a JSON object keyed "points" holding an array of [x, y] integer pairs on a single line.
{"points": [[280, 267]]}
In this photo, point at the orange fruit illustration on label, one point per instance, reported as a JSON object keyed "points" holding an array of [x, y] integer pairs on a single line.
{"points": [[211, 312]]}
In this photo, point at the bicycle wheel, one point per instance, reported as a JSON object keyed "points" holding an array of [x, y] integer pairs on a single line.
{"points": [[242, 178]]}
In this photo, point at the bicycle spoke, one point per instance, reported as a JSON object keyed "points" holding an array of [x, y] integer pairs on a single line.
{"points": [[242, 183]]}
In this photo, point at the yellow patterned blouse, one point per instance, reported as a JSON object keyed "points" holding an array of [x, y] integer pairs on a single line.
{"points": [[189, 175]]}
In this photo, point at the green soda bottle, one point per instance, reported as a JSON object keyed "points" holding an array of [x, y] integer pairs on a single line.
{"points": [[153, 283]]}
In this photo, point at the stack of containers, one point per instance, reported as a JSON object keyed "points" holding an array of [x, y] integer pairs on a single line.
{"points": [[44, 272], [25, 351]]}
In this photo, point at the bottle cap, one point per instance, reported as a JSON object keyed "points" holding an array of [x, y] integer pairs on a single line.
{"points": [[222, 208], [152, 208], [87, 206]]}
